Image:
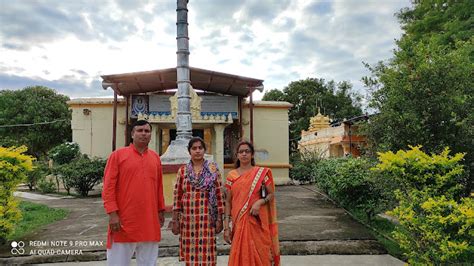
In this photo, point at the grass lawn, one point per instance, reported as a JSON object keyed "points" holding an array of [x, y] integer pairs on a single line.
{"points": [[34, 216]]}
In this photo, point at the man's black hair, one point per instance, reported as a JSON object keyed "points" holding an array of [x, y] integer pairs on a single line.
{"points": [[140, 123]]}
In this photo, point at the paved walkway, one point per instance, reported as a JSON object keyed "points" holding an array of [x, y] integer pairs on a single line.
{"points": [[310, 260], [309, 225]]}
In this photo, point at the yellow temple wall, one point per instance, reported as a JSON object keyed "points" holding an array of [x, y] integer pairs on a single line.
{"points": [[271, 136], [91, 125], [92, 130]]}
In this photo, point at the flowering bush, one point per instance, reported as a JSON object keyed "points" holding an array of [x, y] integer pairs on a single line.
{"points": [[14, 165], [435, 230], [437, 174], [64, 153], [436, 221]]}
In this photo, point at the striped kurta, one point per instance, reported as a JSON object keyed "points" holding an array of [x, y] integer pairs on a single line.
{"points": [[197, 241]]}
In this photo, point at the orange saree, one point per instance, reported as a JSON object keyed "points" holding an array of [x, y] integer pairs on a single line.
{"points": [[255, 238]]}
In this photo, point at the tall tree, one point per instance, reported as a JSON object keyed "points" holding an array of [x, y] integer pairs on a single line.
{"points": [[335, 100], [37, 117], [444, 22], [424, 93]]}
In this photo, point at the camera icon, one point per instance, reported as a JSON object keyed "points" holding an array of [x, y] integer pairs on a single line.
{"points": [[18, 248]]}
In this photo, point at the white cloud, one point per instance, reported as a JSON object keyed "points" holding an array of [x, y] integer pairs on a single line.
{"points": [[72, 43]]}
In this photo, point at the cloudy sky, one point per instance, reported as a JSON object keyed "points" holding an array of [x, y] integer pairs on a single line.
{"points": [[68, 44]]}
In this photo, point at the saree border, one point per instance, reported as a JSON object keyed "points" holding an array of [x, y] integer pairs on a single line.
{"points": [[252, 188]]}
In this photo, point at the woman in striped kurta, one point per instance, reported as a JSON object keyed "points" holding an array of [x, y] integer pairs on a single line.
{"points": [[198, 207]]}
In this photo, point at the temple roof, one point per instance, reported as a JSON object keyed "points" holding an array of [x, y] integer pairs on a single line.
{"points": [[165, 79], [318, 122]]}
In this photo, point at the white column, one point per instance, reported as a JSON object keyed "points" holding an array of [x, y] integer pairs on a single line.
{"points": [[219, 145], [152, 144]]}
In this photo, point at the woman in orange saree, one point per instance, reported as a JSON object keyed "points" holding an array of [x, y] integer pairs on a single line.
{"points": [[250, 208]]}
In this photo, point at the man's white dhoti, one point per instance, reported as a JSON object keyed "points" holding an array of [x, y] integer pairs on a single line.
{"points": [[121, 254]]}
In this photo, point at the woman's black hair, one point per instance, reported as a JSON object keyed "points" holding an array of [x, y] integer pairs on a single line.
{"points": [[252, 150], [194, 140]]}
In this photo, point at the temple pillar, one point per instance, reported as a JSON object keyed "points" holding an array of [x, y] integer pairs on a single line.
{"points": [[208, 140], [219, 145], [153, 141], [165, 139]]}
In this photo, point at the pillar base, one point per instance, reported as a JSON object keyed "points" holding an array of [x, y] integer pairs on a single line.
{"points": [[177, 153]]}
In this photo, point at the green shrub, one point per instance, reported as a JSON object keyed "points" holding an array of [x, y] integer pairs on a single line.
{"points": [[303, 166], [64, 153], [435, 230], [46, 185], [436, 222], [62, 172], [438, 174], [82, 174], [350, 182], [325, 174], [354, 187], [386, 188], [39, 171], [14, 165]]}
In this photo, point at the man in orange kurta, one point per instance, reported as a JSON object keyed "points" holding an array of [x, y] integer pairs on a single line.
{"points": [[133, 199]]}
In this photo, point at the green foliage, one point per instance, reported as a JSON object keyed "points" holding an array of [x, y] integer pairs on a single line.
{"points": [[441, 21], [304, 165], [40, 170], [325, 174], [436, 221], [349, 182], [274, 95], [438, 174], [34, 105], [34, 216], [382, 228], [355, 187], [306, 95], [66, 174], [82, 174], [14, 165], [435, 230], [64, 153], [424, 93], [46, 185]]}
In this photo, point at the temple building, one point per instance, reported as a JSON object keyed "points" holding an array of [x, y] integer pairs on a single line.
{"points": [[332, 140], [222, 108]]}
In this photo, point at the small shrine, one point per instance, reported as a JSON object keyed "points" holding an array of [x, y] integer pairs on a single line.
{"points": [[332, 140]]}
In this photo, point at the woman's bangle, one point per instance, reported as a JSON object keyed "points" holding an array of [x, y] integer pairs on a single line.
{"points": [[266, 200], [227, 217]]}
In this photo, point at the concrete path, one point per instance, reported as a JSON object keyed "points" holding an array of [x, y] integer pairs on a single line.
{"points": [[33, 196], [308, 225]]}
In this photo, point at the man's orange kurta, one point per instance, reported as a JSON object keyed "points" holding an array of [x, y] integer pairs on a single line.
{"points": [[133, 186]]}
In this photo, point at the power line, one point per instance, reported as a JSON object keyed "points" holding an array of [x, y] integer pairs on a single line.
{"points": [[33, 124]]}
